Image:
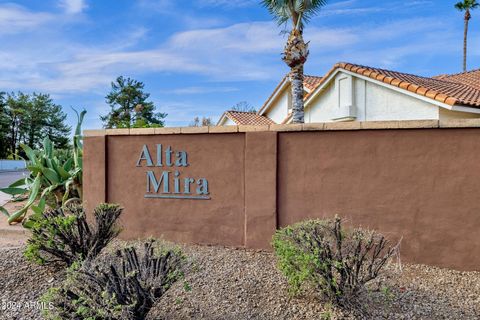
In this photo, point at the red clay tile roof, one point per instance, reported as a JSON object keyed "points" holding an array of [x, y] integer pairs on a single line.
{"points": [[450, 92], [248, 118], [311, 82], [457, 89], [470, 78]]}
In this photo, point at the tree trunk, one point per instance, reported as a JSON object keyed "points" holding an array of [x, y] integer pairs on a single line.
{"points": [[465, 34], [296, 80], [295, 56], [12, 142], [15, 135]]}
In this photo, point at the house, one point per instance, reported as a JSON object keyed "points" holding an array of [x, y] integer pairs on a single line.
{"points": [[231, 118], [350, 92]]}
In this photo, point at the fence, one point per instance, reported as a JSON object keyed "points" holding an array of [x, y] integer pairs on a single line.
{"points": [[12, 165], [235, 185]]}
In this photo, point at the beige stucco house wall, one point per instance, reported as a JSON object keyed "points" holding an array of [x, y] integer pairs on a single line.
{"points": [[228, 122], [349, 97]]}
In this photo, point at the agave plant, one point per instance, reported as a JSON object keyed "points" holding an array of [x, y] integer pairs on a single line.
{"points": [[50, 177]]}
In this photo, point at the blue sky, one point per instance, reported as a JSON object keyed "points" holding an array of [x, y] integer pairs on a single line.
{"points": [[200, 57]]}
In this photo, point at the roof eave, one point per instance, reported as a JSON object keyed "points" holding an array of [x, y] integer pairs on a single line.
{"points": [[465, 108], [449, 103], [224, 117], [323, 83], [278, 89]]}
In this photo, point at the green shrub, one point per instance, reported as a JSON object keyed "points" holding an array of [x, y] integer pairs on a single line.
{"points": [[320, 254], [65, 235], [121, 286]]}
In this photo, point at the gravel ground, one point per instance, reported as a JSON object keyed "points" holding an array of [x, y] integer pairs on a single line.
{"points": [[22, 284], [244, 284]]}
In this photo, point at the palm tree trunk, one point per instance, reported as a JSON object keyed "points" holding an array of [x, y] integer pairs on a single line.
{"points": [[295, 56], [465, 34], [296, 80]]}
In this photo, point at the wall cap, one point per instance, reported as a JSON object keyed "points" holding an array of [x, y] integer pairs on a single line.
{"points": [[250, 128], [141, 131], [167, 130], [192, 130], [460, 123], [339, 126], [286, 127], [94, 133], [116, 132], [222, 129], [327, 126]]}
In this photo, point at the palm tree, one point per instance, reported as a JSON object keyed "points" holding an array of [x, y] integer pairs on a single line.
{"points": [[298, 12], [467, 6]]}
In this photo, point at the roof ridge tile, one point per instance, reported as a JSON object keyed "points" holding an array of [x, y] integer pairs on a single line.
{"points": [[441, 90]]}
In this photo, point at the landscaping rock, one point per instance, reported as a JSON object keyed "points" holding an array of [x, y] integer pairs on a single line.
{"points": [[22, 284], [230, 284], [245, 284]]}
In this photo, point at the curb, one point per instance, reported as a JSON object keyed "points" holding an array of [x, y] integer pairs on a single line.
{"points": [[4, 198], [13, 170]]}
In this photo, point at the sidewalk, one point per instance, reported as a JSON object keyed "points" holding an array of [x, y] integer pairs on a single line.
{"points": [[11, 236], [4, 198]]}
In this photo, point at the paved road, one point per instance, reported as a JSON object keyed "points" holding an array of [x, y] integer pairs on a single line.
{"points": [[6, 178]]}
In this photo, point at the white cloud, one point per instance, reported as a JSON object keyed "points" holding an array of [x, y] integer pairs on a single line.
{"points": [[221, 53], [253, 37], [388, 45], [16, 19], [239, 52], [227, 3], [42, 54], [214, 88], [181, 113], [73, 6], [356, 7]]}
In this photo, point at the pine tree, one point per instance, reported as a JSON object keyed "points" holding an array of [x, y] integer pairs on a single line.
{"points": [[129, 107], [28, 119]]}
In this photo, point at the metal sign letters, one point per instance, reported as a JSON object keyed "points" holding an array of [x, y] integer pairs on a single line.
{"points": [[168, 183]]}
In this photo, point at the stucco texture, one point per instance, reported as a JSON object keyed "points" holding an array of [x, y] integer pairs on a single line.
{"points": [[219, 220], [371, 100], [418, 185], [421, 185]]}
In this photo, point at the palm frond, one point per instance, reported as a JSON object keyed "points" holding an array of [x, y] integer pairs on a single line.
{"points": [[467, 5], [285, 10], [472, 3], [278, 9]]}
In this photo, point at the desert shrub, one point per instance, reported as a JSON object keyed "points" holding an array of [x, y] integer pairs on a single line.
{"points": [[64, 234], [121, 286], [336, 262]]}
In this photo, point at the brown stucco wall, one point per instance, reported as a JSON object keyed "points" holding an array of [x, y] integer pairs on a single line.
{"points": [[260, 188], [94, 173], [418, 184], [216, 221], [421, 185]]}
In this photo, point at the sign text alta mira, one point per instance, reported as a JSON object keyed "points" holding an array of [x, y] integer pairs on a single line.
{"points": [[169, 184]]}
